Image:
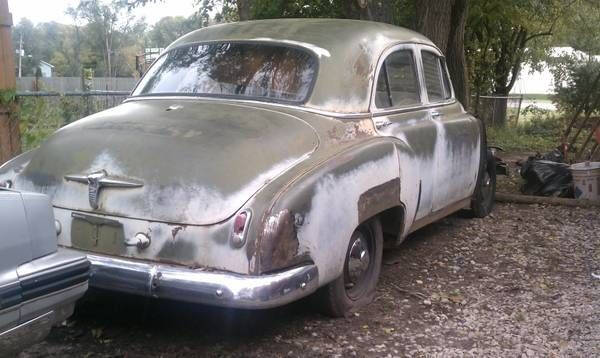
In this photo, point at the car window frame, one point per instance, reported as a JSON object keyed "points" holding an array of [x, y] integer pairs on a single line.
{"points": [[444, 75], [380, 65], [302, 102], [425, 103]]}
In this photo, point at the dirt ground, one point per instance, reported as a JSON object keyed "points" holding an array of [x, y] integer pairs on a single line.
{"points": [[518, 283]]}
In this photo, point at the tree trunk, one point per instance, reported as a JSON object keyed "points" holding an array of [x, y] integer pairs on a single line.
{"points": [[498, 117], [443, 21], [434, 20], [10, 136], [243, 7], [455, 52]]}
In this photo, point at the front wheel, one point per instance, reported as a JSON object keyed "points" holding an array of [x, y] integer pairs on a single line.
{"points": [[485, 192], [356, 285]]}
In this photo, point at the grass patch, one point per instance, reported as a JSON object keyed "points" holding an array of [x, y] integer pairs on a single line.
{"points": [[514, 140], [541, 132]]}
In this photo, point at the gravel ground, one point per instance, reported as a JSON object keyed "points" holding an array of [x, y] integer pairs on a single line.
{"points": [[519, 283]]}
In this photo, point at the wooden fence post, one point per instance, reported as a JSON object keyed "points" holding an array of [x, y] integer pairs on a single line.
{"points": [[10, 136]]}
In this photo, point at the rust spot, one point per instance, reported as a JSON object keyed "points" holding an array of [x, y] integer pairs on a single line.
{"points": [[176, 230], [378, 199], [279, 245], [352, 130]]}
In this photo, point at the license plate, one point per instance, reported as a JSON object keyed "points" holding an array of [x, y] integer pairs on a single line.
{"points": [[97, 234]]}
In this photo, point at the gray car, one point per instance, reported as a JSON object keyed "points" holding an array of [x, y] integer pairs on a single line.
{"points": [[259, 162], [38, 283]]}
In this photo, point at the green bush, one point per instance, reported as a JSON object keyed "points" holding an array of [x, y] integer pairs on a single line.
{"points": [[539, 130], [38, 119], [41, 116]]}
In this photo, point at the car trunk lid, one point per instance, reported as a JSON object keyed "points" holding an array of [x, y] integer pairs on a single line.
{"points": [[185, 161]]}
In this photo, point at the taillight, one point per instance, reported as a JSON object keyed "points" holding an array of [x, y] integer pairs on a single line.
{"points": [[240, 226]]}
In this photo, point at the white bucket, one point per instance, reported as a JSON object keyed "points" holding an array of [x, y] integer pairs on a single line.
{"points": [[586, 180]]}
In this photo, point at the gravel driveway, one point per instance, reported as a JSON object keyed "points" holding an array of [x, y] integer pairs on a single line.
{"points": [[518, 283]]}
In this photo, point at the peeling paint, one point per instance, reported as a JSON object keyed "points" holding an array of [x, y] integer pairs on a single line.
{"points": [[334, 213], [176, 230]]}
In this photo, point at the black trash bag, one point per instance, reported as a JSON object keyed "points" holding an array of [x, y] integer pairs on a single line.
{"points": [[546, 178], [555, 155]]}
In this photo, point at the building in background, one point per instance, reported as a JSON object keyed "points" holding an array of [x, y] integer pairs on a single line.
{"points": [[45, 69]]}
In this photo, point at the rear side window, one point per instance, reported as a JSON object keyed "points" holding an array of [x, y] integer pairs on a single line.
{"points": [[436, 81], [397, 85]]}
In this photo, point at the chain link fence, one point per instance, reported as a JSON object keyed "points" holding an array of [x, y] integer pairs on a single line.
{"points": [[42, 113], [497, 110]]}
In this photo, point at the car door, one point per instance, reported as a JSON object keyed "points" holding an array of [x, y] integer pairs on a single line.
{"points": [[398, 111], [15, 249], [457, 145]]}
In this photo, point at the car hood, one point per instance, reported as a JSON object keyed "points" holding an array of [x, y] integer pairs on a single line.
{"points": [[184, 161]]}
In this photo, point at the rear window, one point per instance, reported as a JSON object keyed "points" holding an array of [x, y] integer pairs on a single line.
{"points": [[256, 71]]}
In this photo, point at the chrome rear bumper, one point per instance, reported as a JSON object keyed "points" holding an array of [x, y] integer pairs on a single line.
{"points": [[215, 288]]}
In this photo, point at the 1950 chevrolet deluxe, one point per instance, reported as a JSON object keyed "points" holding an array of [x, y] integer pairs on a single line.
{"points": [[258, 162]]}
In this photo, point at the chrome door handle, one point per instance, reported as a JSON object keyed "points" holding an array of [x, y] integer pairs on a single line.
{"points": [[435, 114], [382, 123]]}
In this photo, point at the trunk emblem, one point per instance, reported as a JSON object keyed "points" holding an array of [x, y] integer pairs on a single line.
{"points": [[100, 179]]}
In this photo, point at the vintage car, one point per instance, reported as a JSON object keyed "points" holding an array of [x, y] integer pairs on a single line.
{"points": [[38, 283], [258, 162]]}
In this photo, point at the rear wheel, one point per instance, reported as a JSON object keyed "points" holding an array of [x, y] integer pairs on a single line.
{"points": [[356, 286], [485, 194]]}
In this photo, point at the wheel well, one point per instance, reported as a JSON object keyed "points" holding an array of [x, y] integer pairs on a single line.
{"points": [[392, 223]]}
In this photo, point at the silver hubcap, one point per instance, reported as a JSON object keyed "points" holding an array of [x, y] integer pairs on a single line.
{"points": [[358, 260], [487, 180]]}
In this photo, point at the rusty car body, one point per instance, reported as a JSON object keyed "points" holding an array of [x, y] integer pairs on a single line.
{"points": [[258, 162]]}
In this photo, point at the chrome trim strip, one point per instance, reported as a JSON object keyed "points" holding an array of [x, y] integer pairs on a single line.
{"points": [[105, 180], [59, 260], [410, 109], [200, 286], [354, 115]]}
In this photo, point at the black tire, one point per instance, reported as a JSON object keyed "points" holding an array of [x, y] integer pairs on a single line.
{"points": [[484, 198], [348, 293]]}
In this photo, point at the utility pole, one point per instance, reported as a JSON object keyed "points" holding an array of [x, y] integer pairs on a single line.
{"points": [[10, 136], [20, 51]]}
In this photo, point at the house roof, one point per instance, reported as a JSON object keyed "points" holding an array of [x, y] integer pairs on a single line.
{"points": [[46, 64]]}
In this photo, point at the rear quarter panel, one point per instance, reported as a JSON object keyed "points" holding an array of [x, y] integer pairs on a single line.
{"points": [[313, 217]]}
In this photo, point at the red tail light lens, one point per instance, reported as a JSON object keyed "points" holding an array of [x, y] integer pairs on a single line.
{"points": [[240, 224]]}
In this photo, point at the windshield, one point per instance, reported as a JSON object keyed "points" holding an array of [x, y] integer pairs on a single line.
{"points": [[258, 71]]}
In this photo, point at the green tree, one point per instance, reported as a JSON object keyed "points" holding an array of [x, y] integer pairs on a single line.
{"points": [[102, 21], [168, 29]]}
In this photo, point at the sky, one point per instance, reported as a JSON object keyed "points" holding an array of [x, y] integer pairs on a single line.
{"points": [[54, 10]]}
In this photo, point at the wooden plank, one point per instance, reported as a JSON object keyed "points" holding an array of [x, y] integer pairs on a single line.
{"points": [[544, 200], [10, 139], [7, 53]]}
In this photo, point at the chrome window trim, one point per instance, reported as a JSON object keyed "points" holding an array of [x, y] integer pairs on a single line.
{"points": [[411, 109], [311, 52], [390, 50], [443, 72]]}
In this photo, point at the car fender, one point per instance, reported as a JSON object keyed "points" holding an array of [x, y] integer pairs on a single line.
{"points": [[313, 217]]}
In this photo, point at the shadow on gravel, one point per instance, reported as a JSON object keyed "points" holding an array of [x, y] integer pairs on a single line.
{"points": [[120, 315]]}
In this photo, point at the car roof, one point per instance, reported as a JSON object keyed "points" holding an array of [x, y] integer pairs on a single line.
{"points": [[348, 51]]}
